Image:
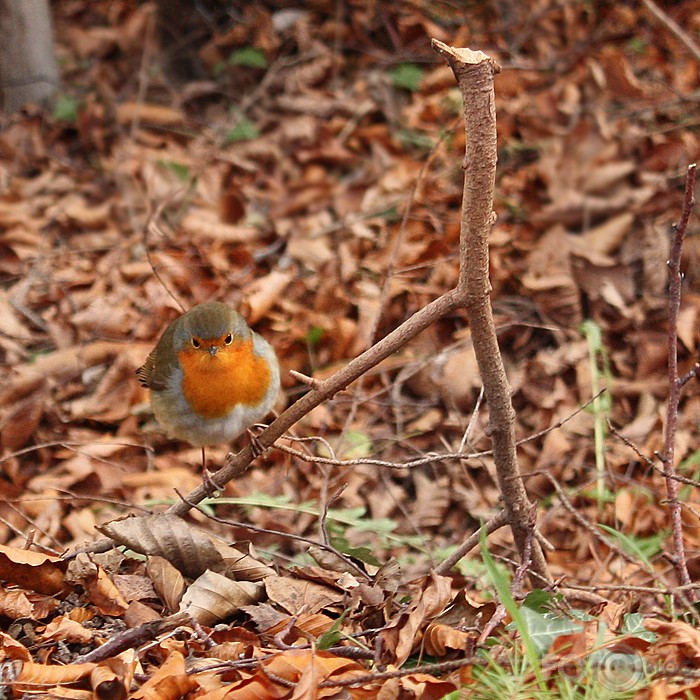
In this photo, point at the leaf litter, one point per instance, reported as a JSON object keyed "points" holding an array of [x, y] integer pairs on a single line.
{"points": [[286, 176]]}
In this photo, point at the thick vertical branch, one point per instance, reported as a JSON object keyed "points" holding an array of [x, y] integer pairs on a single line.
{"points": [[676, 383], [474, 72]]}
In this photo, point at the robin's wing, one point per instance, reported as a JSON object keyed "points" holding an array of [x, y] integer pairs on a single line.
{"points": [[160, 364], [146, 371]]}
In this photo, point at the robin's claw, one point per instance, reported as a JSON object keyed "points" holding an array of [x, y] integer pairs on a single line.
{"points": [[255, 445]]}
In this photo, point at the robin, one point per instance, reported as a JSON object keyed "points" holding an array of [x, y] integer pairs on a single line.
{"points": [[211, 377]]}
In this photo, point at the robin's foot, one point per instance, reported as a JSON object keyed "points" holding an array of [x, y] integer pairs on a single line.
{"points": [[255, 445], [212, 488]]}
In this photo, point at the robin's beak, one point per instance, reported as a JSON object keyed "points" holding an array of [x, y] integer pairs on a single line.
{"points": [[213, 349]]}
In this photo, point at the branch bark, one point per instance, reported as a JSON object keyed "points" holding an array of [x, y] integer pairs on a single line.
{"points": [[474, 72], [676, 383]]}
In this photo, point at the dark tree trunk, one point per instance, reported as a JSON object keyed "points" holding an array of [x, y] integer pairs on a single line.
{"points": [[28, 70]]}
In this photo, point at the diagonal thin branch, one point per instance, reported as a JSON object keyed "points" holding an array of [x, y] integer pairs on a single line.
{"points": [[673, 27]]}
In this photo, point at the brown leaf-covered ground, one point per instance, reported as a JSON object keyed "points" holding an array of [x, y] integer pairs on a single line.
{"points": [[308, 171]]}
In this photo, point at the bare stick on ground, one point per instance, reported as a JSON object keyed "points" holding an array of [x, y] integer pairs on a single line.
{"points": [[676, 383]]}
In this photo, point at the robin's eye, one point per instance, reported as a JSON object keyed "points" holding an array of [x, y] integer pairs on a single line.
{"points": [[228, 339], [195, 343]]}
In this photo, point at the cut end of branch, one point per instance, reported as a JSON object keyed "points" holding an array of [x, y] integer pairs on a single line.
{"points": [[466, 57], [304, 379]]}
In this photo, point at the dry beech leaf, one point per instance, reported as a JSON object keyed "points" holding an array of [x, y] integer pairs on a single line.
{"points": [[169, 680], [167, 580], [189, 550], [242, 566], [63, 629], [602, 177], [677, 639], [388, 577], [18, 426], [335, 579], [329, 560], [158, 115], [105, 316], [31, 570], [417, 685], [438, 638], [654, 249], [603, 239], [104, 594], [265, 292], [265, 616], [71, 362], [139, 613], [213, 597], [134, 587], [432, 500], [310, 252], [19, 389], [112, 399], [295, 664], [401, 633], [206, 224], [15, 604], [574, 207], [112, 678], [39, 676], [12, 650], [75, 207], [10, 323], [297, 596], [315, 625], [687, 318]]}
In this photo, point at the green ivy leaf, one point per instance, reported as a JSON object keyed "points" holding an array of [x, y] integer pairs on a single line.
{"points": [[66, 109], [248, 57], [406, 76], [245, 130]]}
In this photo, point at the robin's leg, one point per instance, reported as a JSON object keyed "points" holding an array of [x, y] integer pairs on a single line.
{"points": [[209, 484]]}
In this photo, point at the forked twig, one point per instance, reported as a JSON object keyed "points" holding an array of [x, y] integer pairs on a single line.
{"points": [[474, 72]]}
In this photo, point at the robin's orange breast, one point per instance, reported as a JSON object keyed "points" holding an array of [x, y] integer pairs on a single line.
{"points": [[214, 383]]}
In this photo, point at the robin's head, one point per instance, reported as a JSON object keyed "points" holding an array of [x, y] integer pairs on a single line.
{"points": [[209, 328]]}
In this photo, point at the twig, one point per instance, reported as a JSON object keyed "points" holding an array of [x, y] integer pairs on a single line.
{"points": [[472, 421], [587, 525], [497, 522], [357, 399], [673, 27], [516, 586], [152, 227], [650, 463], [132, 638], [286, 535], [690, 374], [438, 668], [419, 461], [628, 588], [667, 456], [235, 465]]}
